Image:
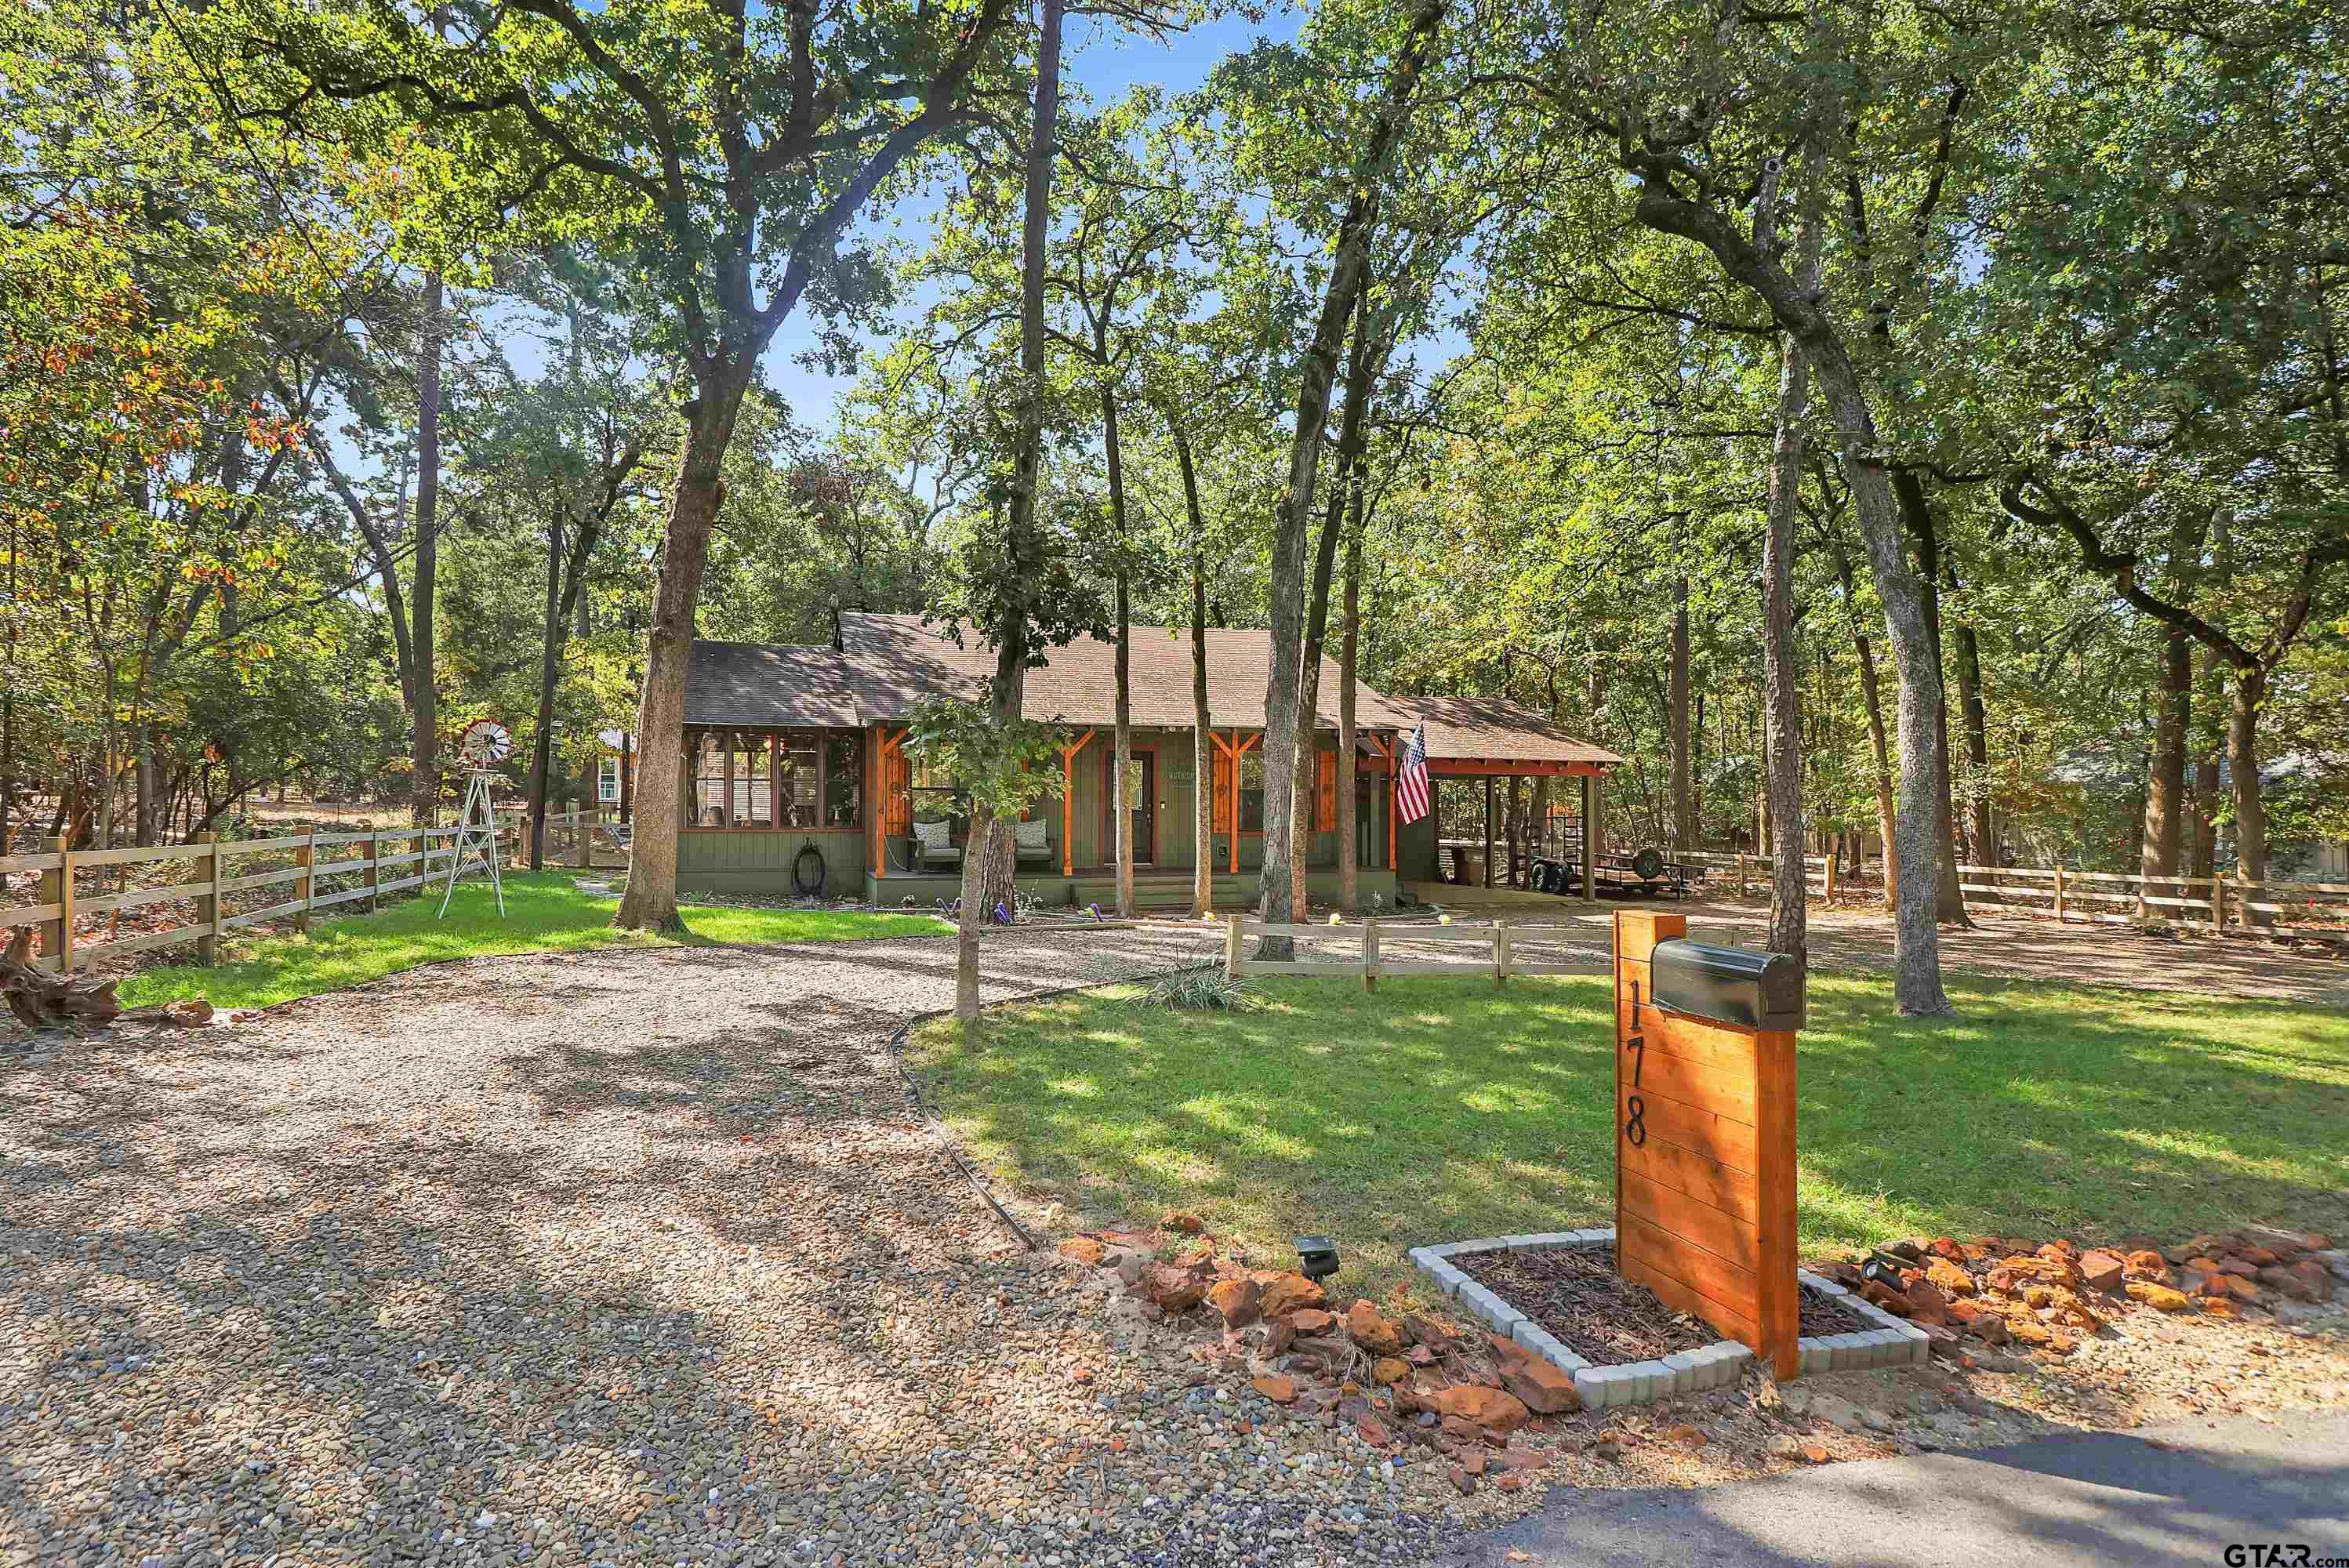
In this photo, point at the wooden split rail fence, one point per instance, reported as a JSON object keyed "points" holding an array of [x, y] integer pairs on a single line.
{"points": [[1499, 938], [2087, 896], [356, 870], [1820, 872]]}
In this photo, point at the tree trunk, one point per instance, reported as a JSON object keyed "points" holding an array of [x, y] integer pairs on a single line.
{"points": [[1983, 846], [1124, 750], [1007, 687], [1350, 638], [1683, 801], [1950, 900], [1293, 514], [1203, 749], [542, 762], [2243, 766], [425, 782], [650, 900], [1789, 888], [2164, 796]]}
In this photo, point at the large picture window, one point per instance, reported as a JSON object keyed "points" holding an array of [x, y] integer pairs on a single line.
{"points": [[759, 779], [843, 781], [798, 788]]}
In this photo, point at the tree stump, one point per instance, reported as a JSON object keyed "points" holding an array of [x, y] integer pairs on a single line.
{"points": [[39, 998]]}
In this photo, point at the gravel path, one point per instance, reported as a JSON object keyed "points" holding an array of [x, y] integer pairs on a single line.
{"points": [[627, 1256]]}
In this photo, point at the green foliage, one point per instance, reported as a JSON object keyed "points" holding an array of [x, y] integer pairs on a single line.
{"points": [[1199, 991], [1005, 767]]}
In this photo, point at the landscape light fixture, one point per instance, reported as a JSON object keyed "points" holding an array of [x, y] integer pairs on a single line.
{"points": [[1317, 1257]]}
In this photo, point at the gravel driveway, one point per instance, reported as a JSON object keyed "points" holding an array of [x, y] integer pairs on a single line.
{"points": [[636, 1257]]}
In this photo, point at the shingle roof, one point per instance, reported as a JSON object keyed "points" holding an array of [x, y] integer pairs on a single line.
{"points": [[778, 684], [1461, 729], [887, 665], [894, 661]]}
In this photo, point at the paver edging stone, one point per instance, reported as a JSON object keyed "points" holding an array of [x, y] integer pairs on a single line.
{"points": [[1892, 1343]]}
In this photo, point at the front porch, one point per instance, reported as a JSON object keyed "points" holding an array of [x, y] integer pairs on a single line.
{"points": [[1155, 888]]}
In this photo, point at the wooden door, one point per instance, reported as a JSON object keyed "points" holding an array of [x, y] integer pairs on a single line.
{"points": [[1141, 789]]}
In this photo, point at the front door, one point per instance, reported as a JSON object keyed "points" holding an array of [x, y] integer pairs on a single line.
{"points": [[1142, 792]]}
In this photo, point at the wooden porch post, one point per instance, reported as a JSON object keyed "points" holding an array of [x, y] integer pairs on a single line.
{"points": [[1068, 803], [1590, 840], [1488, 830]]}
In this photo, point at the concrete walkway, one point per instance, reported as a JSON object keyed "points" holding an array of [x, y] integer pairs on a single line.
{"points": [[2179, 1494]]}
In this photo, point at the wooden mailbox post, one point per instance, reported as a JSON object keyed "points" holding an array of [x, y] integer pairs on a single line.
{"points": [[1705, 1148]]}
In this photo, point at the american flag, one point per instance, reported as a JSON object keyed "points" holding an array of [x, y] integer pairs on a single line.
{"points": [[1411, 783]]}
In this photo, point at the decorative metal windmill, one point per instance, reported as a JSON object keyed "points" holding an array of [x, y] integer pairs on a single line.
{"points": [[483, 745]]}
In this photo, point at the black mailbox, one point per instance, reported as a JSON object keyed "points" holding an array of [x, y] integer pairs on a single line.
{"points": [[1727, 985]]}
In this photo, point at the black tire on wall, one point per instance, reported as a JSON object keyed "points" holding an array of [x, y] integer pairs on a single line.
{"points": [[808, 872]]}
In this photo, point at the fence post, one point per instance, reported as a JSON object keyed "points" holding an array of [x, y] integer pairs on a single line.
{"points": [[302, 852], [374, 853], [208, 907], [1740, 874], [1370, 953], [2059, 892], [1501, 952], [582, 834], [2217, 902], [1235, 963], [56, 888]]}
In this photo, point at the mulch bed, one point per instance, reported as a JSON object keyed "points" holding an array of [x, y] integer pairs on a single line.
{"points": [[1576, 1293], [1608, 1320], [1824, 1314]]}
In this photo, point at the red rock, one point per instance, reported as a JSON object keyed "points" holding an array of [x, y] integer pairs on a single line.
{"points": [[1080, 1375], [1949, 1278], [1688, 1436], [2240, 1288], [1237, 1300], [2102, 1271], [1184, 1222], [2259, 1257], [1541, 1386], [1279, 1335], [1460, 1481], [1462, 1428], [2159, 1298], [1927, 1305], [1082, 1250], [2314, 1241], [1886, 1297], [1373, 1332], [1474, 1463], [2275, 1276], [1371, 1432], [1419, 1355], [1288, 1293], [2148, 1264], [2238, 1268], [1391, 1369], [1987, 1329], [1947, 1247], [1483, 1407], [2061, 1250], [2222, 1306], [2316, 1277], [1309, 1320], [1176, 1289], [1280, 1390], [1815, 1453], [1509, 1481], [2207, 1245]]}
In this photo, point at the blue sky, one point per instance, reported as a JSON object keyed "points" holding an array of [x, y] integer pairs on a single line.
{"points": [[1104, 61]]}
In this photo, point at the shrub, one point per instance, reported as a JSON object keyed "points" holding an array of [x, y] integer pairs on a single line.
{"points": [[1198, 989]]}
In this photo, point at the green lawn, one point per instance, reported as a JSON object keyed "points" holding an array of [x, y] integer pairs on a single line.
{"points": [[1439, 1110], [545, 911]]}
